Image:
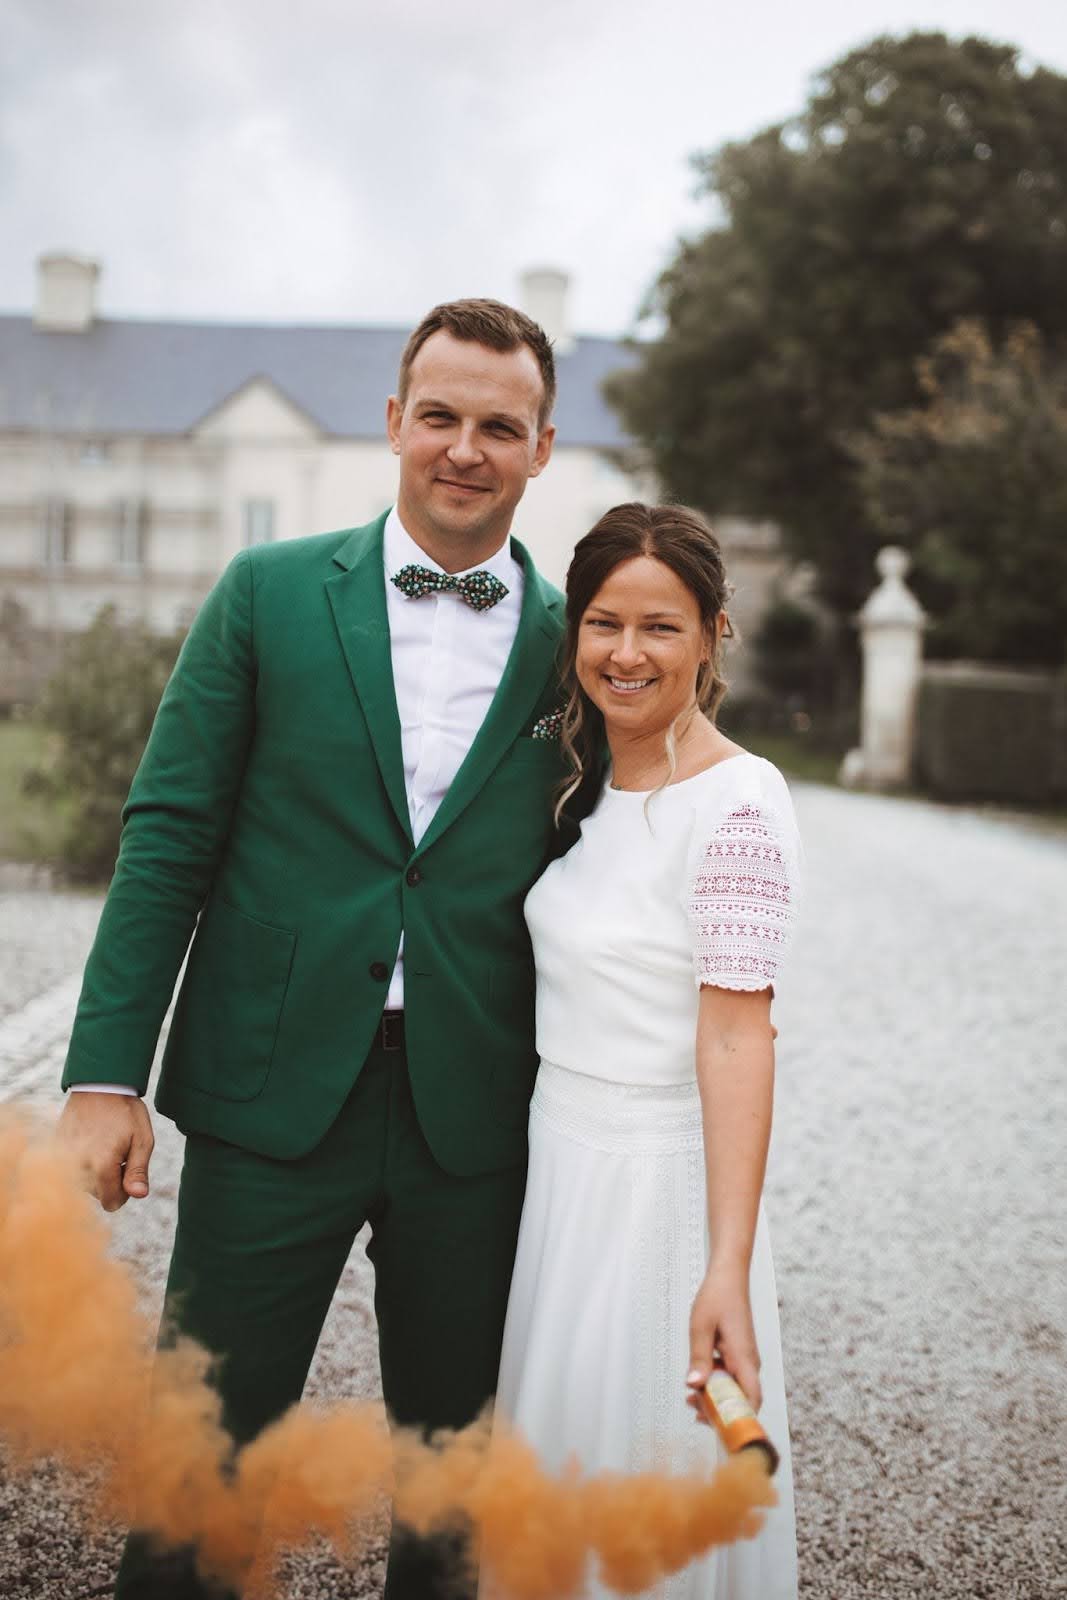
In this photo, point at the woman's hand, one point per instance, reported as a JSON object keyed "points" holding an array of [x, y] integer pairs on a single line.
{"points": [[721, 1321]]}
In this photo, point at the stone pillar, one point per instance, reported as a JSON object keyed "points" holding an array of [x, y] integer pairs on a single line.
{"points": [[891, 628]]}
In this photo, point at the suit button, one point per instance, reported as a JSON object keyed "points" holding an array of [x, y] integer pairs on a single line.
{"points": [[379, 971], [414, 877]]}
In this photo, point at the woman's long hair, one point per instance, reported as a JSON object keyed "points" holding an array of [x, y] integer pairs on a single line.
{"points": [[680, 538]]}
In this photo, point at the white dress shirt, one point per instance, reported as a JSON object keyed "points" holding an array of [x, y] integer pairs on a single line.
{"points": [[448, 660]]}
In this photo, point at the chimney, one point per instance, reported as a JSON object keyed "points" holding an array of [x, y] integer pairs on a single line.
{"points": [[544, 298], [66, 293]]}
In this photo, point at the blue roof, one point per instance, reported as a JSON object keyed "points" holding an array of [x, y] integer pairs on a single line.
{"points": [[165, 377]]}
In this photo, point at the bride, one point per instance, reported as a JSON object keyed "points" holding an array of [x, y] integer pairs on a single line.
{"points": [[643, 1252]]}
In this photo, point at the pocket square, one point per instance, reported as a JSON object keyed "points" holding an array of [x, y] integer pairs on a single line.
{"points": [[548, 727]]}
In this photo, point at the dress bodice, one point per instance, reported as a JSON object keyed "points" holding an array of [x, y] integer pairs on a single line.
{"points": [[694, 885]]}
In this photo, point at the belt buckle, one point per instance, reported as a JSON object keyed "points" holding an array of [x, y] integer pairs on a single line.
{"points": [[392, 1030]]}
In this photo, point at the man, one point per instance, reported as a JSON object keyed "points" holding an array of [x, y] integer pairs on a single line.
{"points": [[344, 783]]}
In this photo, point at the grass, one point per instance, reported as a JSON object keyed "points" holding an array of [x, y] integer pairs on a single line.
{"points": [[794, 756], [31, 826]]}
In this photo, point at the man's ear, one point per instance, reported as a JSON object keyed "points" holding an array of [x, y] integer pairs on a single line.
{"points": [[394, 415], [543, 451]]}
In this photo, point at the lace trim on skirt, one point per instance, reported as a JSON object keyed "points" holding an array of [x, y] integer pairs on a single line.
{"points": [[622, 1118]]}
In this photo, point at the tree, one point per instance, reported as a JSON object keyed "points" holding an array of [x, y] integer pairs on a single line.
{"points": [[974, 481], [925, 182], [99, 706], [787, 650]]}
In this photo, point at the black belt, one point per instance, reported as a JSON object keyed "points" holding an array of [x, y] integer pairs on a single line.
{"points": [[390, 1034]]}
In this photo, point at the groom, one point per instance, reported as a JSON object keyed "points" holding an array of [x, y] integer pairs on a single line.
{"points": [[348, 782]]}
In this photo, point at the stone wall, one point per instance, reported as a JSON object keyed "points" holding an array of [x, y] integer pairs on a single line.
{"points": [[992, 733]]}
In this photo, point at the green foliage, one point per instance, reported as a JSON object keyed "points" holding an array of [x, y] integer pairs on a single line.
{"points": [[30, 827], [99, 708], [974, 481], [788, 649], [23, 653], [796, 754], [925, 182]]}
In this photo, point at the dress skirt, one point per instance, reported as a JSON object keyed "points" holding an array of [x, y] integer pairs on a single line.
{"points": [[612, 1249]]}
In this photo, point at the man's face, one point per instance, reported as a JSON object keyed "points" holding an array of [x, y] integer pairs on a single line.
{"points": [[468, 440]]}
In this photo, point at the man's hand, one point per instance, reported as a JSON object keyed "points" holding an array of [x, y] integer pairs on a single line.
{"points": [[112, 1136]]}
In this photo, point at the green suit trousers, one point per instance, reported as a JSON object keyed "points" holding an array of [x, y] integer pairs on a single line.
{"points": [[259, 1249]]}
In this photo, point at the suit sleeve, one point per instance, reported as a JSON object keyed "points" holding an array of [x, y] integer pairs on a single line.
{"points": [[176, 822]]}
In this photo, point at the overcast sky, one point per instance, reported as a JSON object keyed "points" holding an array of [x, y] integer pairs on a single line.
{"points": [[340, 160]]}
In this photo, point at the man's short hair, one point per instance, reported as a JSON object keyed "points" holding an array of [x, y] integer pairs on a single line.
{"points": [[488, 322]]}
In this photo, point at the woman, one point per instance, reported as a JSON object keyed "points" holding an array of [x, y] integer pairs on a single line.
{"points": [[643, 1253]]}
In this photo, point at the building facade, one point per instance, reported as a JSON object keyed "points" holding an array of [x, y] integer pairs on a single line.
{"points": [[138, 457]]}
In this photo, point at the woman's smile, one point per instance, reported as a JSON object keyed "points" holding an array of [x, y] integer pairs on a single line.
{"points": [[628, 685]]}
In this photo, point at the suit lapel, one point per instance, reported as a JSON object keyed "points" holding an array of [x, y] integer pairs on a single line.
{"points": [[357, 598], [529, 664]]}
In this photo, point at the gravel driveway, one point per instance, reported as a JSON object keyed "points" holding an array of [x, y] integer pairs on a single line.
{"points": [[915, 1195]]}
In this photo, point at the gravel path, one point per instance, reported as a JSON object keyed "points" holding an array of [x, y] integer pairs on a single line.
{"points": [[915, 1194]]}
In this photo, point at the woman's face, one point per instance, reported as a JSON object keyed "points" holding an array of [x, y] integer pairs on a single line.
{"points": [[640, 647]]}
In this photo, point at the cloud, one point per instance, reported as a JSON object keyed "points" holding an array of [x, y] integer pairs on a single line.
{"points": [[195, 134], [357, 161]]}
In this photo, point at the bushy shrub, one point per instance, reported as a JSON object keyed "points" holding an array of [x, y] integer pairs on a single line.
{"points": [[787, 649], [98, 709]]}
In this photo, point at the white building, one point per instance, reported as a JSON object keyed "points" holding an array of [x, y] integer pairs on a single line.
{"points": [[137, 457]]}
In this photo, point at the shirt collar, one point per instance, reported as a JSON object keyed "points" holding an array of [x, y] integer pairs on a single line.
{"points": [[400, 550]]}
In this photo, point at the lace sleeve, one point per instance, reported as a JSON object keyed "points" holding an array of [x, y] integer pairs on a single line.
{"points": [[742, 901]]}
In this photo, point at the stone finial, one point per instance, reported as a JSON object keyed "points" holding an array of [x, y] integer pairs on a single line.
{"points": [[892, 562], [892, 604]]}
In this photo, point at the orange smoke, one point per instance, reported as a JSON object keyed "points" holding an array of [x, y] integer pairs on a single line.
{"points": [[81, 1382]]}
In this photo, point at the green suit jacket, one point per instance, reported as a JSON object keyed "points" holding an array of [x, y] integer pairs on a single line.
{"points": [[270, 803]]}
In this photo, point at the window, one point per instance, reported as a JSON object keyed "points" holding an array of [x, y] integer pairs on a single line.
{"points": [[57, 526], [131, 527], [258, 521]]}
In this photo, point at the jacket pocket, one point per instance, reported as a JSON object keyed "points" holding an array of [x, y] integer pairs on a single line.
{"points": [[226, 1022]]}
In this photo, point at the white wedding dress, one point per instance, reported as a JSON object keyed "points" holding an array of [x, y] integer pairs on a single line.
{"points": [[696, 886]]}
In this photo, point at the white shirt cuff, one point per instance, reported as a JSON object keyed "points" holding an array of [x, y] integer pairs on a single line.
{"points": [[103, 1088]]}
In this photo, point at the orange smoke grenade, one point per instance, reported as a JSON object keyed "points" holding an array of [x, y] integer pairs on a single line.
{"points": [[725, 1405]]}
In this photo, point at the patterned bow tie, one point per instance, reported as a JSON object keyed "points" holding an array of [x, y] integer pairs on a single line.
{"points": [[479, 589]]}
